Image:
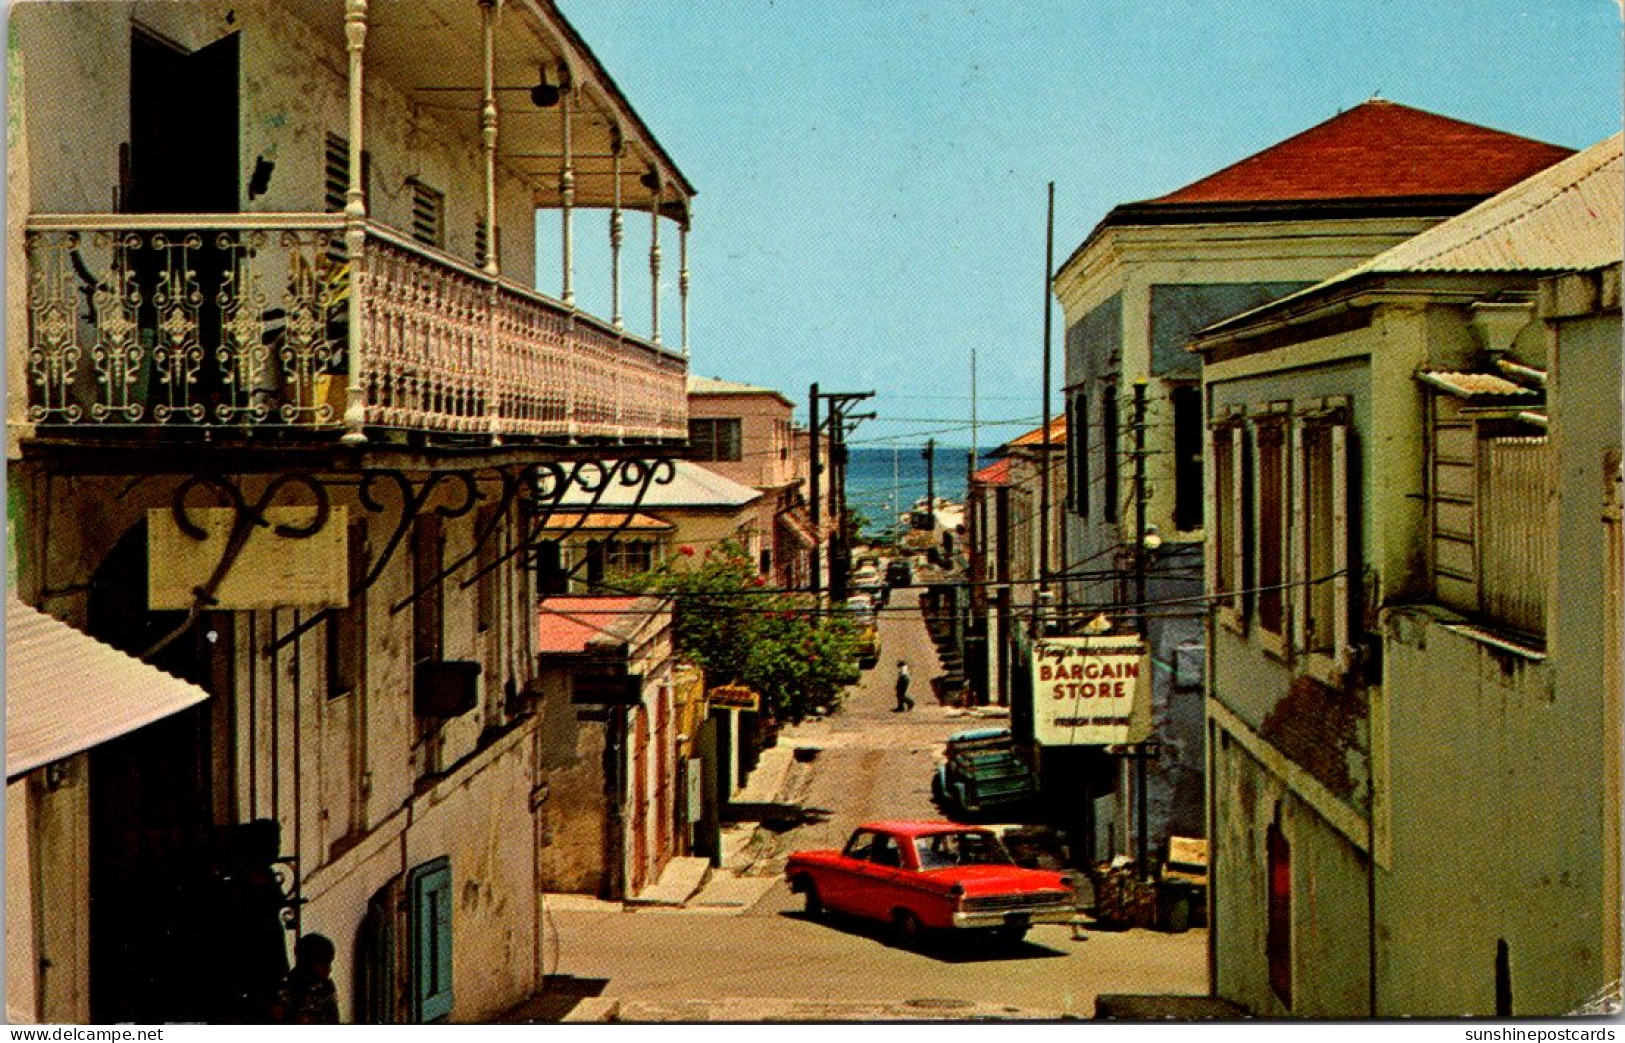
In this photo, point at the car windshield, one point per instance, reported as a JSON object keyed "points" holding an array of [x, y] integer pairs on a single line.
{"points": [[941, 850]]}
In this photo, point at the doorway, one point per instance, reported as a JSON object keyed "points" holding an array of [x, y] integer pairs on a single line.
{"points": [[156, 954], [183, 127]]}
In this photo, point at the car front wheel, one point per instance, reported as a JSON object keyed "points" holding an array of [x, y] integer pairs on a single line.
{"points": [[811, 902]]}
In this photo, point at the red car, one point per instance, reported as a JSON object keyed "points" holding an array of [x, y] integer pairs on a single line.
{"points": [[925, 876]]}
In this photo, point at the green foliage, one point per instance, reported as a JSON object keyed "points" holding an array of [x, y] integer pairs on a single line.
{"points": [[784, 646]]}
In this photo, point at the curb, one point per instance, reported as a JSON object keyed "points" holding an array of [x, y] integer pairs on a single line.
{"points": [[593, 1010]]}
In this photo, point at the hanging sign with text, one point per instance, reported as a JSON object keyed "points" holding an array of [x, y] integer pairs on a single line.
{"points": [[1091, 691]]}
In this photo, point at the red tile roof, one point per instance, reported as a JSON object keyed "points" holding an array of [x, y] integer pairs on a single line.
{"points": [[567, 624], [1377, 149], [1057, 434], [996, 473]]}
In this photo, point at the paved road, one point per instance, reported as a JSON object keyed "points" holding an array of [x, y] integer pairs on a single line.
{"points": [[768, 961]]}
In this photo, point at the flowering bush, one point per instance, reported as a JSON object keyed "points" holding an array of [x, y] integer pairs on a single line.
{"points": [[796, 654]]}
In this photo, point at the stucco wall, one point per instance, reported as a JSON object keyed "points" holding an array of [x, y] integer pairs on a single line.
{"points": [[1330, 925], [765, 438], [573, 819], [293, 78], [343, 775], [1497, 820], [481, 820]]}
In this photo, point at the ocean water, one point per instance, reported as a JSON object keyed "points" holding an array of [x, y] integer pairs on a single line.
{"points": [[869, 479]]}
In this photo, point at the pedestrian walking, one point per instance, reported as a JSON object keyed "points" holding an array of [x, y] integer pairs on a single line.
{"points": [[903, 701]]}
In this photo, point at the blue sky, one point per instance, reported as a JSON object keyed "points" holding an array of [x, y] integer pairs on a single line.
{"points": [[871, 173]]}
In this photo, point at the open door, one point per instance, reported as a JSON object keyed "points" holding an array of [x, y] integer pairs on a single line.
{"points": [[183, 127]]}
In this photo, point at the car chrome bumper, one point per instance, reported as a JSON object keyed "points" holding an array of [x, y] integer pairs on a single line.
{"points": [[1008, 917]]}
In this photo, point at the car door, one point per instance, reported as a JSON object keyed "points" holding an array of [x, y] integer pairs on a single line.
{"points": [[847, 876], [884, 877]]}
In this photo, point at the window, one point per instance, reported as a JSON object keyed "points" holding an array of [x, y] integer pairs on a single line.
{"points": [[1323, 517], [485, 568], [1278, 936], [1080, 453], [551, 577], [1514, 553], [629, 556], [860, 845], [1186, 400], [1227, 569], [428, 215], [428, 610], [336, 184], [1489, 489], [715, 439], [482, 243], [346, 627], [1269, 436], [1109, 435]]}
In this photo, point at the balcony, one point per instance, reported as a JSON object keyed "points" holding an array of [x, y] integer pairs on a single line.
{"points": [[241, 325]]}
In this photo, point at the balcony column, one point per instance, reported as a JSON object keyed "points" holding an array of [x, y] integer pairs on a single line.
{"points": [[567, 190], [682, 278], [489, 10], [355, 231], [654, 256], [617, 235]]}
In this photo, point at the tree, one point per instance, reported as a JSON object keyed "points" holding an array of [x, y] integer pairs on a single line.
{"points": [[796, 654]]}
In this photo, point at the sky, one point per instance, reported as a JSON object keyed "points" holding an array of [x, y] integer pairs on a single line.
{"points": [[872, 174]]}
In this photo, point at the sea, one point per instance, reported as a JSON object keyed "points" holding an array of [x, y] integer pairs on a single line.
{"points": [[872, 491]]}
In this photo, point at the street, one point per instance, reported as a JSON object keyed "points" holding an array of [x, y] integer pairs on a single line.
{"points": [[764, 960]]}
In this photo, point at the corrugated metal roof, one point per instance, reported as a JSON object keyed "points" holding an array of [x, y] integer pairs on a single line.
{"points": [[67, 692], [604, 521], [691, 486], [698, 385], [1565, 218], [1469, 385]]}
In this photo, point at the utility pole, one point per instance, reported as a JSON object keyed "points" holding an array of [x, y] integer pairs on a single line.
{"points": [[1145, 751], [1043, 448], [815, 471], [837, 421], [1139, 505], [930, 454]]}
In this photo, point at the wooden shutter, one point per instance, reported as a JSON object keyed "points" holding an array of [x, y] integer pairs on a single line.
{"points": [[429, 886]]}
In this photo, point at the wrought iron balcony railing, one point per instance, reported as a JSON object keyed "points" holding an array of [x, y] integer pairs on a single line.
{"points": [[242, 323]]}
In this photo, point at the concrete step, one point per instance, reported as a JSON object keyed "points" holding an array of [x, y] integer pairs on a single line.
{"points": [[679, 881]]}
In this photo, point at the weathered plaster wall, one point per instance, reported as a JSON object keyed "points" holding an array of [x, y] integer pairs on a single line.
{"points": [[22, 953], [342, 775], [1498, 818], [1330, 925], [573, 819], [479, 817]]}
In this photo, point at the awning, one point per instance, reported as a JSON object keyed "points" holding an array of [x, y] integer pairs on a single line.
{"points": [[67, 692], [798, 529]]}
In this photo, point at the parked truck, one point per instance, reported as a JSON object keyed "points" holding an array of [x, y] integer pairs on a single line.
{"points": [[982, 768]]}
